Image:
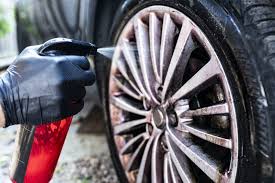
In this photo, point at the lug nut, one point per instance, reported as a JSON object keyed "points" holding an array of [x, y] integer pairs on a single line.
{"points": [[173, 120]]}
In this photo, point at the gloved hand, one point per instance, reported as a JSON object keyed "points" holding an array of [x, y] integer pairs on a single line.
{"points": [[38, 89]]}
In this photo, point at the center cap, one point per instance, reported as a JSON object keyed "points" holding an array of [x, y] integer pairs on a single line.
{"points": [[159, 117]]}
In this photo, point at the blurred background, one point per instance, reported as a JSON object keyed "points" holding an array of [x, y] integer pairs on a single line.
{"points": [[8, 39], [85, 155]]}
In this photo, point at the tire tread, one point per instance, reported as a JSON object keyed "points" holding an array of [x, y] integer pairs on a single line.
{"points": [[258, 18]]}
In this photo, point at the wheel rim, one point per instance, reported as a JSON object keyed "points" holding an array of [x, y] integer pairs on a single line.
{"points": [[171, 105]]}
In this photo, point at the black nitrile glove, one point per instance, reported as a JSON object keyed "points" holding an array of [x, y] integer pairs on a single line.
{"points": [[38, 89]]}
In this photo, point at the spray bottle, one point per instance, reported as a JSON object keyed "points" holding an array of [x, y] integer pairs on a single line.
{"points": [[38, 147]]}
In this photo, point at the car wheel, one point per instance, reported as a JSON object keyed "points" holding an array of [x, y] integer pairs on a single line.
{"points": [[178, 101]]}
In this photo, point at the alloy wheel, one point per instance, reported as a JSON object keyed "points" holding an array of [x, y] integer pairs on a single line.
{"points": [[171, 104]]}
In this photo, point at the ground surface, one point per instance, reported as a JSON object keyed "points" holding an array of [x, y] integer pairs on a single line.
{"points": [[6, 148], [84, 159]]}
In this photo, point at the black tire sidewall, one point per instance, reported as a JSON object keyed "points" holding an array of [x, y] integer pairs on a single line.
{"points": [[223, 32]]}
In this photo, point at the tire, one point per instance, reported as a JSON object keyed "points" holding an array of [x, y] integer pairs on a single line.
{"points": [[242, 34], [22, 37]]}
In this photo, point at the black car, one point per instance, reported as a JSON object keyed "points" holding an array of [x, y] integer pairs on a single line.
{"points": [[189, 95]]}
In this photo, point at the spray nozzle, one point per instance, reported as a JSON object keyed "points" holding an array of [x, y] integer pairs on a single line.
{"points": [[64, 46]]}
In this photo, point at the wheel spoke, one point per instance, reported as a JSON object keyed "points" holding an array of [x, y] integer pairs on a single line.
{"points": [[167, 43], [145, 162], [198, 81], [155, 37], [122, 69], [207, 135], [129, 54], [180, 162], [174, 173], [134, 162], [211, 110], [194, 152], [122, 103], [166, 171], [126, 89], [157, 161], [128, 147], [142, 38], [127, 127], [182, 52]]}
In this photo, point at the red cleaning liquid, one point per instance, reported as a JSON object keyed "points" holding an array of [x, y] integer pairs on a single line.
{"points": [[46, 148]]}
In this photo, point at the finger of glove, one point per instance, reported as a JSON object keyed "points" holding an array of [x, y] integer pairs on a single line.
{"points": [[73, 92], [71, 108], [82, 78], [72, 71], [88, 78], [79, 61]]}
